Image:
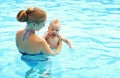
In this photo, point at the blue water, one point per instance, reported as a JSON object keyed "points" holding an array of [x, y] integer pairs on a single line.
{"points": [[93, 27]]}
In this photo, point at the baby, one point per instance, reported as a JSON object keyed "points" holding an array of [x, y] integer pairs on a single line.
{"points": [[52, 36]]}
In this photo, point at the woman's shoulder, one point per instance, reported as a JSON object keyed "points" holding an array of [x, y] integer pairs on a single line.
{"points": [[40, 42], [37, 39], [19, 31]]}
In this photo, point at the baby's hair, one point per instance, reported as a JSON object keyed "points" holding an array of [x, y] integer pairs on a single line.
{"points": [[54, 21], [31, 15]]}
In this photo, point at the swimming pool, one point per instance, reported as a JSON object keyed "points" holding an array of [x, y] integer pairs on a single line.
{"points": [[93, 26]]}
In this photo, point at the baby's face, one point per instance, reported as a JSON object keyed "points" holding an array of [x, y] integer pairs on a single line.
{"points": [[54, 30]]}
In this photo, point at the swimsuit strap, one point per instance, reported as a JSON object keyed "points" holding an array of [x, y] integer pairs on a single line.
{"points": [[26, 34]]}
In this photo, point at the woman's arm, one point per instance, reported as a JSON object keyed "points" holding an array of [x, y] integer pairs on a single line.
{"points": [[47, 50], [59, 46]]}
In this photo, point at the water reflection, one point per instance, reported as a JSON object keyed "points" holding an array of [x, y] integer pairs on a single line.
{"points": [[40, 69]]}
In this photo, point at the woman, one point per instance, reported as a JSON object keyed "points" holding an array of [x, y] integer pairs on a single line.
{"points": [[34, 48], [27, 41]]}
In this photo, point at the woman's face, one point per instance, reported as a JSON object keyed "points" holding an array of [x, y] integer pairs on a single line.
{"points": [[39, 26]]}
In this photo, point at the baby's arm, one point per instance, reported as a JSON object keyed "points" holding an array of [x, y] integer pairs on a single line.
{"points": [[59, 46], [67, 41]]}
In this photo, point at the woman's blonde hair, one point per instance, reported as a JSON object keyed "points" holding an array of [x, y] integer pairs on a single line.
{"points": [[35, 15]]}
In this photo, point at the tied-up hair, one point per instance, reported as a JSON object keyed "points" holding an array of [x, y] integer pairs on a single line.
{"points": [[35, 15]]}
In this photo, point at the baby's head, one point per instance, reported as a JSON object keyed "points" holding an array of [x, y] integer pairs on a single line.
{"points": [[54, 27]]}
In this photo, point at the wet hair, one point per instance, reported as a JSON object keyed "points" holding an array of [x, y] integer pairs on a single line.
{"points": [[55, 21], [35, 15]]}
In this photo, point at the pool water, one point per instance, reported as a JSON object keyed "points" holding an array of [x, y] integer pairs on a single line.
{"points": [[93, 27]]}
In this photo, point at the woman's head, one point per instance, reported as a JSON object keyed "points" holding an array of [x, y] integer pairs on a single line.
{"points": [[34, 15]]}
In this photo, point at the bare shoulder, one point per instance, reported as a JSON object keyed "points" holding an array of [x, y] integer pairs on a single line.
{"points": [[40, 40], [19, 32]]}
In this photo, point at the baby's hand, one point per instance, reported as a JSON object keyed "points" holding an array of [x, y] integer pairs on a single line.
{"points": [[71, 46], [59, 37]]}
